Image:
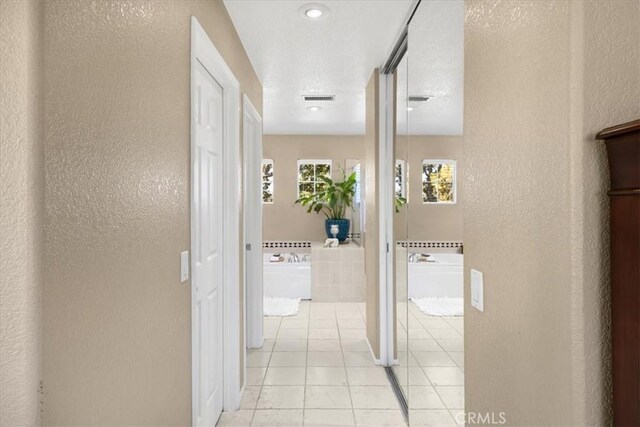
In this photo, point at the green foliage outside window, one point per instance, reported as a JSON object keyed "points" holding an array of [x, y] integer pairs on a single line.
{"points": [[310, 178], [267, 181], [438, 182]]}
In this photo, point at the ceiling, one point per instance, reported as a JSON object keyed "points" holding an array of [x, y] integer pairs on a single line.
{"points": [[435, 67], [335, 55]]}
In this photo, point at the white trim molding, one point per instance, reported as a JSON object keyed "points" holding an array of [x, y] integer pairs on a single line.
{"points": [[254, 294], [204, 52], [386, 184]]}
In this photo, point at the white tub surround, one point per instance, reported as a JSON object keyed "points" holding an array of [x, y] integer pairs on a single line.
{"points": [[287, 279], [440, 276], [337, 274]]}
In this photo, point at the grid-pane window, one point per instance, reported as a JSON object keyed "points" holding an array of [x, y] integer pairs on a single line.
{"points": [[309, 173], [267, 181], [438, 181]]}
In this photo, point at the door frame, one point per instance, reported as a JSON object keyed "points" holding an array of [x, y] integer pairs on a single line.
{"points": [[204, 52], [253, 291], [388, 314]]}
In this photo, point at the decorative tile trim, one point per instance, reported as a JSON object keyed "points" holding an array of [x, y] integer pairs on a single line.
{"points": [[430, 244], [285, 244]]}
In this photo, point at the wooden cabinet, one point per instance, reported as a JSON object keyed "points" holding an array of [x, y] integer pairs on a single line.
{"points": [[623, 151]]}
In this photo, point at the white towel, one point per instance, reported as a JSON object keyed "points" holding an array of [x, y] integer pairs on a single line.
{"points": [[281, 306], [440, 306]]}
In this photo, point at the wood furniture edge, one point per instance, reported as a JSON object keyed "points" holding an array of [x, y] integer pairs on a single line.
{"points": [[618, 129]]}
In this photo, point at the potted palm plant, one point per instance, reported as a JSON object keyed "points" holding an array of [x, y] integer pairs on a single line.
{"points": [[332, 198]]}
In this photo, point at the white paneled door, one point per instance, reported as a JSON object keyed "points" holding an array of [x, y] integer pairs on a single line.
{"points": [[207, 256]]}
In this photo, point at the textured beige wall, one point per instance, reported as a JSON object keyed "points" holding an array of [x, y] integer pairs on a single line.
{"points": [[518, 352], [606, 80], [117, 322], [21, 211], [540, 78], [283, 220], [422, 221], [370, 226]]}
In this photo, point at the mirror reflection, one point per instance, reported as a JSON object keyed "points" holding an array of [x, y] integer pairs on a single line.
{"points": [[401, 361], [434, 248], [354, 166]]}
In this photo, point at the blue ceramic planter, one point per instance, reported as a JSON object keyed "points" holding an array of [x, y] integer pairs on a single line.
{"points": [[343, 225]]}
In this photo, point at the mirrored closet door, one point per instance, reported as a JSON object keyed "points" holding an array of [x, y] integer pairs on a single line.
{"points": [[427, 221], [399, 132], [435, 78]]}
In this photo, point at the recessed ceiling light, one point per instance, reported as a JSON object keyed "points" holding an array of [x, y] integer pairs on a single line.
{"points": [[409, 108], [314, 108], [313, 11]]}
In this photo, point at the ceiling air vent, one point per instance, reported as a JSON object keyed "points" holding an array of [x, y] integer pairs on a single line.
{"points": [[317, 98], [420, 98]]}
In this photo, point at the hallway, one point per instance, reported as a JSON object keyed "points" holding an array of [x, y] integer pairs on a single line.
{"points": [[488, 129], [317, 367]]}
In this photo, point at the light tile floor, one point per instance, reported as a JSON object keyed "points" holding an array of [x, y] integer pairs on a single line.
{"points": [[433, 361], [315, 369]]}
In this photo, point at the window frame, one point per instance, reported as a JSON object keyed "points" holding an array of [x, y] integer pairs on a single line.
{"points": [[273, 181], [454, 186], [314, 162]]}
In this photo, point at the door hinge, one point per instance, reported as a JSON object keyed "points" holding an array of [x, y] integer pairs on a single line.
{"points": [[248, 246], [387, 247]]}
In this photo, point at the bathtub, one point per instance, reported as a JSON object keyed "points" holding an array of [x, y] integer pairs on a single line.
{"points": [[287, 279], [442, 278]]}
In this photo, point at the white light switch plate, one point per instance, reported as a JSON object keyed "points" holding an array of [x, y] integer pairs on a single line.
{"points": [[184, 266], [477, 290]]}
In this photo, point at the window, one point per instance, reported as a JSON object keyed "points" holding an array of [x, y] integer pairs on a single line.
{"points": [[309, 173], [401, 179], [438, 181], [267, 181]]}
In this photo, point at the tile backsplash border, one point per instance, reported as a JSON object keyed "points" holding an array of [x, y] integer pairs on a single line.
{"points": [[412, 244], [286, 244], [430, 244]]}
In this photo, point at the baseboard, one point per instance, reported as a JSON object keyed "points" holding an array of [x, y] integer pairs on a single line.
{"points": [[373, 355], [242, 389]]}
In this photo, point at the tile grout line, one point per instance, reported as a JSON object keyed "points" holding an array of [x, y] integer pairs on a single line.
{"points": [[306, 367], [279, 334], [433, 386], [346, 374], [266, 370]]}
